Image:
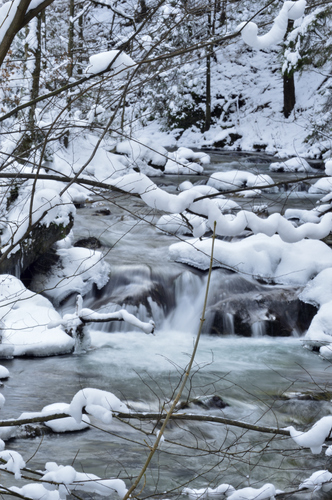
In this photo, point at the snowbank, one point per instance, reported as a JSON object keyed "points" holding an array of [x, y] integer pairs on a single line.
{"points": [[24, 320], [261, 256]]}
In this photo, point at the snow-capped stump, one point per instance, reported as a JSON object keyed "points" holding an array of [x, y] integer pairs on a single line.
{"points": [[296, 164]]}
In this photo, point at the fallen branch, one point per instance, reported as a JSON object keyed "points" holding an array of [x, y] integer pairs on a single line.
{"points": [[189, 417]]}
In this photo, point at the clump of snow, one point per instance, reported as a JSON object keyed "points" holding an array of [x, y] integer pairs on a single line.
{"points": [[315, 437], [289, 10], [4, 373], [86, 148], [328, 167], [76, 272], [14, 462], [67, 424], [319, 290], [303, 216], [321, 186], [224, 181], [225, 225], [204, 493], [321, 479], [96, 402], [266, 492], [185, 161], [115, 60], [320, 330], [24, 317], [143, 154], [185, 224], [266, 257], [296, 164], [36, 492]]}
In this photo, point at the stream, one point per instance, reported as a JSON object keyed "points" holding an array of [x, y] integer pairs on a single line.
{"points": [[256, 365]]}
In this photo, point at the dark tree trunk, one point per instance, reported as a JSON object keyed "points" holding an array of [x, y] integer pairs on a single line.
{"points": [[289, 85], [289, 94]]}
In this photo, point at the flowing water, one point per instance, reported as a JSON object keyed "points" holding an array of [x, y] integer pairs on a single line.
{"points": [[255, 373]]}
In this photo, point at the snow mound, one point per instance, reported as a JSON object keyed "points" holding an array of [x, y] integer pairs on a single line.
{"points": [[76, 272], [269, 258], [145, 154], [233, 179], [295, 164], [24, 319]]}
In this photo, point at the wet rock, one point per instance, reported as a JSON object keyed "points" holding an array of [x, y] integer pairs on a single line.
{"points": [[206, 402], [245, 307], [30, 431], [103, 211], [92, 243], [40, 240], [306, 396]]}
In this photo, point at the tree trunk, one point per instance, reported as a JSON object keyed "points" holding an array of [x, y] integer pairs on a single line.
{"points": [[289, 84], [289, 93], [71, 39], [208, 94], [35, 75]]}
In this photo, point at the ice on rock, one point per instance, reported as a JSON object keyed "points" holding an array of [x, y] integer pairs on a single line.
{"points": [[77, 270]]}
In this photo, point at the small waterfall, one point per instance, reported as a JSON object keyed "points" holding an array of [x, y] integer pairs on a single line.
{"points": [[228, 324], [173, 299], [189, 292], [258, 329]]}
